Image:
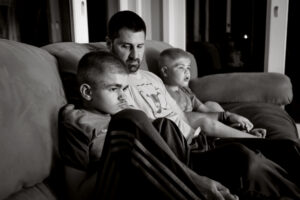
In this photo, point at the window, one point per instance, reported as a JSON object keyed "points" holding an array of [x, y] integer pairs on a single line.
{"points": [[229, 35]]}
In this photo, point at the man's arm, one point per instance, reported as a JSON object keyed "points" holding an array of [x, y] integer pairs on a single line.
{"points": [[75, 145]]}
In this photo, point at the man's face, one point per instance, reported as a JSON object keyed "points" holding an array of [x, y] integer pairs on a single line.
{"points": [[109, 93], [178, 72], [129, 46]]}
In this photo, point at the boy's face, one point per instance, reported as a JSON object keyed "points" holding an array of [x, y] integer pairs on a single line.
{"points": [[178, 71], [129, 46], [109, 93]]}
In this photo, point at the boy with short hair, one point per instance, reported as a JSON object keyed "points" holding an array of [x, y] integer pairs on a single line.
{"points": [[102, 91], [175, 67]]}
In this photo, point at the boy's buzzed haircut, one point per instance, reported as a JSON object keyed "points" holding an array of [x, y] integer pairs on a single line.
{"points": [[172, 53], [125, 19], [95, 63]]}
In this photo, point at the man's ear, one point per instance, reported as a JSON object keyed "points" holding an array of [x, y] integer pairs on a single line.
{"points": [[164, 70], [108, 43], [85, 91]]}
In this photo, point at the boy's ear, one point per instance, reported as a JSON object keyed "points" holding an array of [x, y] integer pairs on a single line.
{"points": [[108, 43], [164, 70], [85, 91]]}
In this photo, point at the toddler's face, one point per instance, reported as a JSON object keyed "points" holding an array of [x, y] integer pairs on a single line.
{"points": [[179, 72], [110, 94]]}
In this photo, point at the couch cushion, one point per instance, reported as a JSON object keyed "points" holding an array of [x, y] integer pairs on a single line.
{"points": [[31, 95], [274, 119], [68, 55], [272, 88], [40, 191]]}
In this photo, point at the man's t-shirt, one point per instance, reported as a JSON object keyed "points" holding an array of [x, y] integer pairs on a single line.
{"points": [[150, 95]]}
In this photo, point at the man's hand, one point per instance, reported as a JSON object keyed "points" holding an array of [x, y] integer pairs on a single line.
{"points": [[213, 190]]}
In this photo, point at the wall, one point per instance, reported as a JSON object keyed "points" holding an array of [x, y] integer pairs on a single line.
{"points": [[165, 19], [276, 35]]}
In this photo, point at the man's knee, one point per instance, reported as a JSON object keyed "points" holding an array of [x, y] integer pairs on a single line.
{"points": [[247, 158]]}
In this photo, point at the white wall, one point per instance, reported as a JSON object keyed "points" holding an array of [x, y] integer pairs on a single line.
{"points": [[142, 8], [174, 25], [80, 21], [165, 19], [276, 33]]}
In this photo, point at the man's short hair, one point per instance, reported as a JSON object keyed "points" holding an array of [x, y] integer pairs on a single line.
{"points": [[95, 63], [125, 19]]}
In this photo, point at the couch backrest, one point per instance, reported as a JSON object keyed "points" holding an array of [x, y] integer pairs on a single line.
{"points": [[69, 53], [31, 95]]}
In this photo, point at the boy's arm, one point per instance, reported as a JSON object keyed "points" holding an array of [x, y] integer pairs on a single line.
{"points": [[211, 124], [199, 106], [75, 154], [75, 144], [193, 117], [215, 128], [227, 118]]}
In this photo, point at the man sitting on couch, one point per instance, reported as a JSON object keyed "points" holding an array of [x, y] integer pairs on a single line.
{"points": [[126, 38]]}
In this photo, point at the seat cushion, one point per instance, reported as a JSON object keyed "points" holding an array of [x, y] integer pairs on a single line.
{"points": [[274, 119], [265, 87], [40, 191], [68, 55]]}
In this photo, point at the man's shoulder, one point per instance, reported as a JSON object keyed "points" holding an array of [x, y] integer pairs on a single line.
{"points": [[149, 74], [169, 89]]}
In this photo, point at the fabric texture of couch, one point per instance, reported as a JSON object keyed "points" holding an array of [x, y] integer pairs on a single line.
{"points": [[36, 82]]}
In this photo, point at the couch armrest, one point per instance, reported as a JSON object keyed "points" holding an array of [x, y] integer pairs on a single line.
{"points": [[265, 87]]}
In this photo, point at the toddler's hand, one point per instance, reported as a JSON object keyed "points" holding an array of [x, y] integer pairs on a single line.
{"points": [[259, 132]]}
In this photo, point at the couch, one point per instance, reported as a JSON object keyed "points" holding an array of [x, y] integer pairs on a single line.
{"points": [[36, 82]]}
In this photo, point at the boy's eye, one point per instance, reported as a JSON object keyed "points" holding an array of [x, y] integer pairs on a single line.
{"points": [[184, 67], [180, 67], [112, 89]]}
